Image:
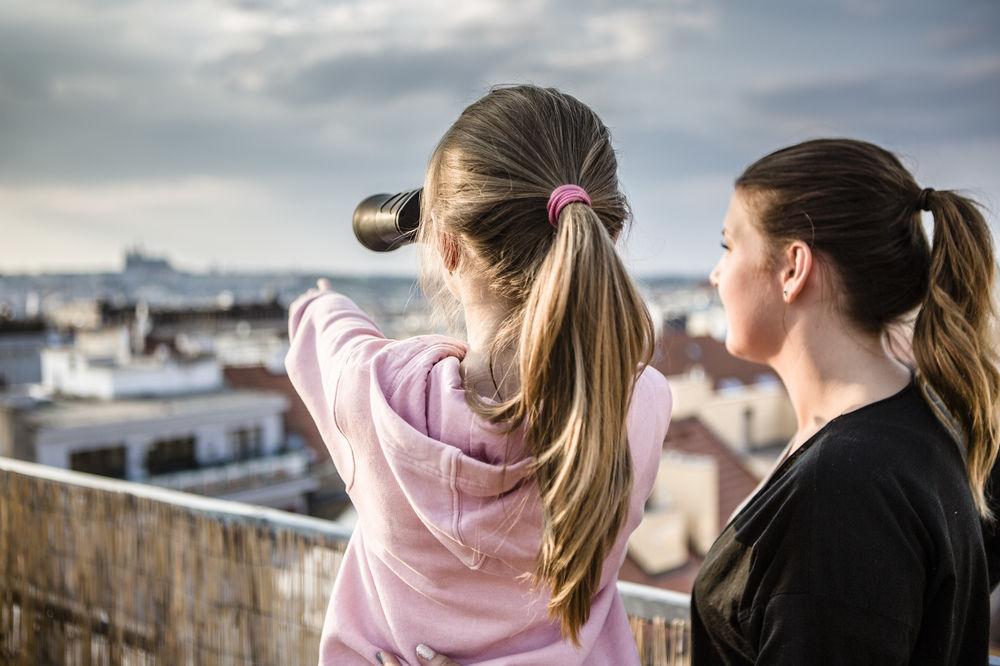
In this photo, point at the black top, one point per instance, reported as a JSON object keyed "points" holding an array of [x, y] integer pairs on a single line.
{"points": [[991, 531], [865, 547]]}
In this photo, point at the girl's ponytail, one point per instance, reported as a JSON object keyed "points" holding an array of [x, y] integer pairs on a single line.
{"points": [[577, 327], [585, 336], [954, 341]]}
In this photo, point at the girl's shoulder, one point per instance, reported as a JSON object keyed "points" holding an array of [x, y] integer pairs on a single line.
{"points": [[649, 417], [652, 397], [655, 379], [414, 358]]}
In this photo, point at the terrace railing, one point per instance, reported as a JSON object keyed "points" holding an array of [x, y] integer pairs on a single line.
{"points": [[101, 571]]}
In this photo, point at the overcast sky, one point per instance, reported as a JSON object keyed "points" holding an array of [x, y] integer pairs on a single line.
{"points": [[240, 134]]}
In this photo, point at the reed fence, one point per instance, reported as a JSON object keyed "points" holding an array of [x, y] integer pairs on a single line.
{"points": [[97, 571]]}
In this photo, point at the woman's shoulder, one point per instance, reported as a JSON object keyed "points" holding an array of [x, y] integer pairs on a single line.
{"points": [[894, 458], [896, 436]]}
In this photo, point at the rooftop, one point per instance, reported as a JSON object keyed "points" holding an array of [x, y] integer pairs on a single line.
{"points": [[677, 353], [736, 480], [21, 326], [80, 412]]}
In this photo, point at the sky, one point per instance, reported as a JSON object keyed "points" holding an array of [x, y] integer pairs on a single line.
{"points": [[240, 134]]}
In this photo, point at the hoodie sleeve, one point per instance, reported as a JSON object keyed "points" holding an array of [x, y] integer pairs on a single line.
{"points": [[327, 333]]}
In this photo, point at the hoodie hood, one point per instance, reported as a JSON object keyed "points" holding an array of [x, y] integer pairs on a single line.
{"points": [[438, 450]]}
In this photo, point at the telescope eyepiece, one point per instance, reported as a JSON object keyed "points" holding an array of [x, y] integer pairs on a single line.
{"points": [[384, 222]]}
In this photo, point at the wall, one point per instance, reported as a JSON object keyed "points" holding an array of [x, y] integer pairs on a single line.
{"points": [[211, 433], [20, 358], [723, 411], [691, 484], [69, 372]]}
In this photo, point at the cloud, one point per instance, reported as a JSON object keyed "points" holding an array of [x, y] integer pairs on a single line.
{"points": [[373, 77], [922, 102], [107, 91], [134, 198], [166, 119]]}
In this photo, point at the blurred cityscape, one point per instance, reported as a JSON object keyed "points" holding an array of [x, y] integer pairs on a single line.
{"points": [[177, 379]]}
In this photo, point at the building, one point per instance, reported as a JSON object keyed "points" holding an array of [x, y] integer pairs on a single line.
{"points": [[678, 353], [730, 420], [21, 342], [702, 482], [329, 500], [138, 261], [163, 419], [744, 404], [168, 321]]}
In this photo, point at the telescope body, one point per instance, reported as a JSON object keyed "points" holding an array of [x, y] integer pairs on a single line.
{"points": [[383, 222]]}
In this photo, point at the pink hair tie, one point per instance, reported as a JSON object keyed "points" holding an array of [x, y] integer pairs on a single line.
{"points": [[561, 197]]}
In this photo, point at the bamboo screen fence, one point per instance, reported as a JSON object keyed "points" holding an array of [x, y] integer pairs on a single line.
{"points": [[95, 571]]}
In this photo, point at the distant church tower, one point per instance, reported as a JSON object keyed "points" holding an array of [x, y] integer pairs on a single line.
{"points": [[137, 261]]}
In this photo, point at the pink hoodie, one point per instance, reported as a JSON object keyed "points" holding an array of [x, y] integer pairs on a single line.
{"points": [[445, 530]]}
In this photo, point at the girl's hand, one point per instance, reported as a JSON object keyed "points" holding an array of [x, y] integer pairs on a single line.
{"points": [[323, 286], [426, 655]]}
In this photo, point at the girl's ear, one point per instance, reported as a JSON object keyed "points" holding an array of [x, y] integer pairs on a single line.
{"points": [[448, 249]]}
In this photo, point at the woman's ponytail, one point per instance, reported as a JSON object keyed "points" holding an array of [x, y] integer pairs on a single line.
{"points": [[954, 340], [585, 336]]}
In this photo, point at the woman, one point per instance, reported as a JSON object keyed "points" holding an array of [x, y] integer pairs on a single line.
{"points": [[864, 546], [496, 479]]}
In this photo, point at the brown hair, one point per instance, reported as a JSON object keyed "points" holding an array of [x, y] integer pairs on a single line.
{"points": [[855, 204], [578, 328]]}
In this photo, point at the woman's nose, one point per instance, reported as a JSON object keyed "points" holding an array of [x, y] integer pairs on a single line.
{"points": [[713, 277]]}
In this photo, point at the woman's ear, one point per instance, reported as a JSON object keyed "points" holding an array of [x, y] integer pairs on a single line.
{"points": [[797, 266], [448, 249]]}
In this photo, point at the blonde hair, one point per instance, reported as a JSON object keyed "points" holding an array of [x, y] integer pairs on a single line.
{"points": [[578, 328]]}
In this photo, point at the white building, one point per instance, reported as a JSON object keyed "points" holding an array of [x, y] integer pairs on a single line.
{"points": [[157, 419], [242, 347]]}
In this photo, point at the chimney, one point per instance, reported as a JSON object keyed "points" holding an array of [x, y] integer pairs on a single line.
{"points": [[748, 429]]}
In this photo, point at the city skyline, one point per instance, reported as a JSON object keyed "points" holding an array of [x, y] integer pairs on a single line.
{"points": [[240, 135]]}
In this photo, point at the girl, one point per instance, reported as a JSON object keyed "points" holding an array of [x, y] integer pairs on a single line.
{"points": [[496, 479], [864, 546]]}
